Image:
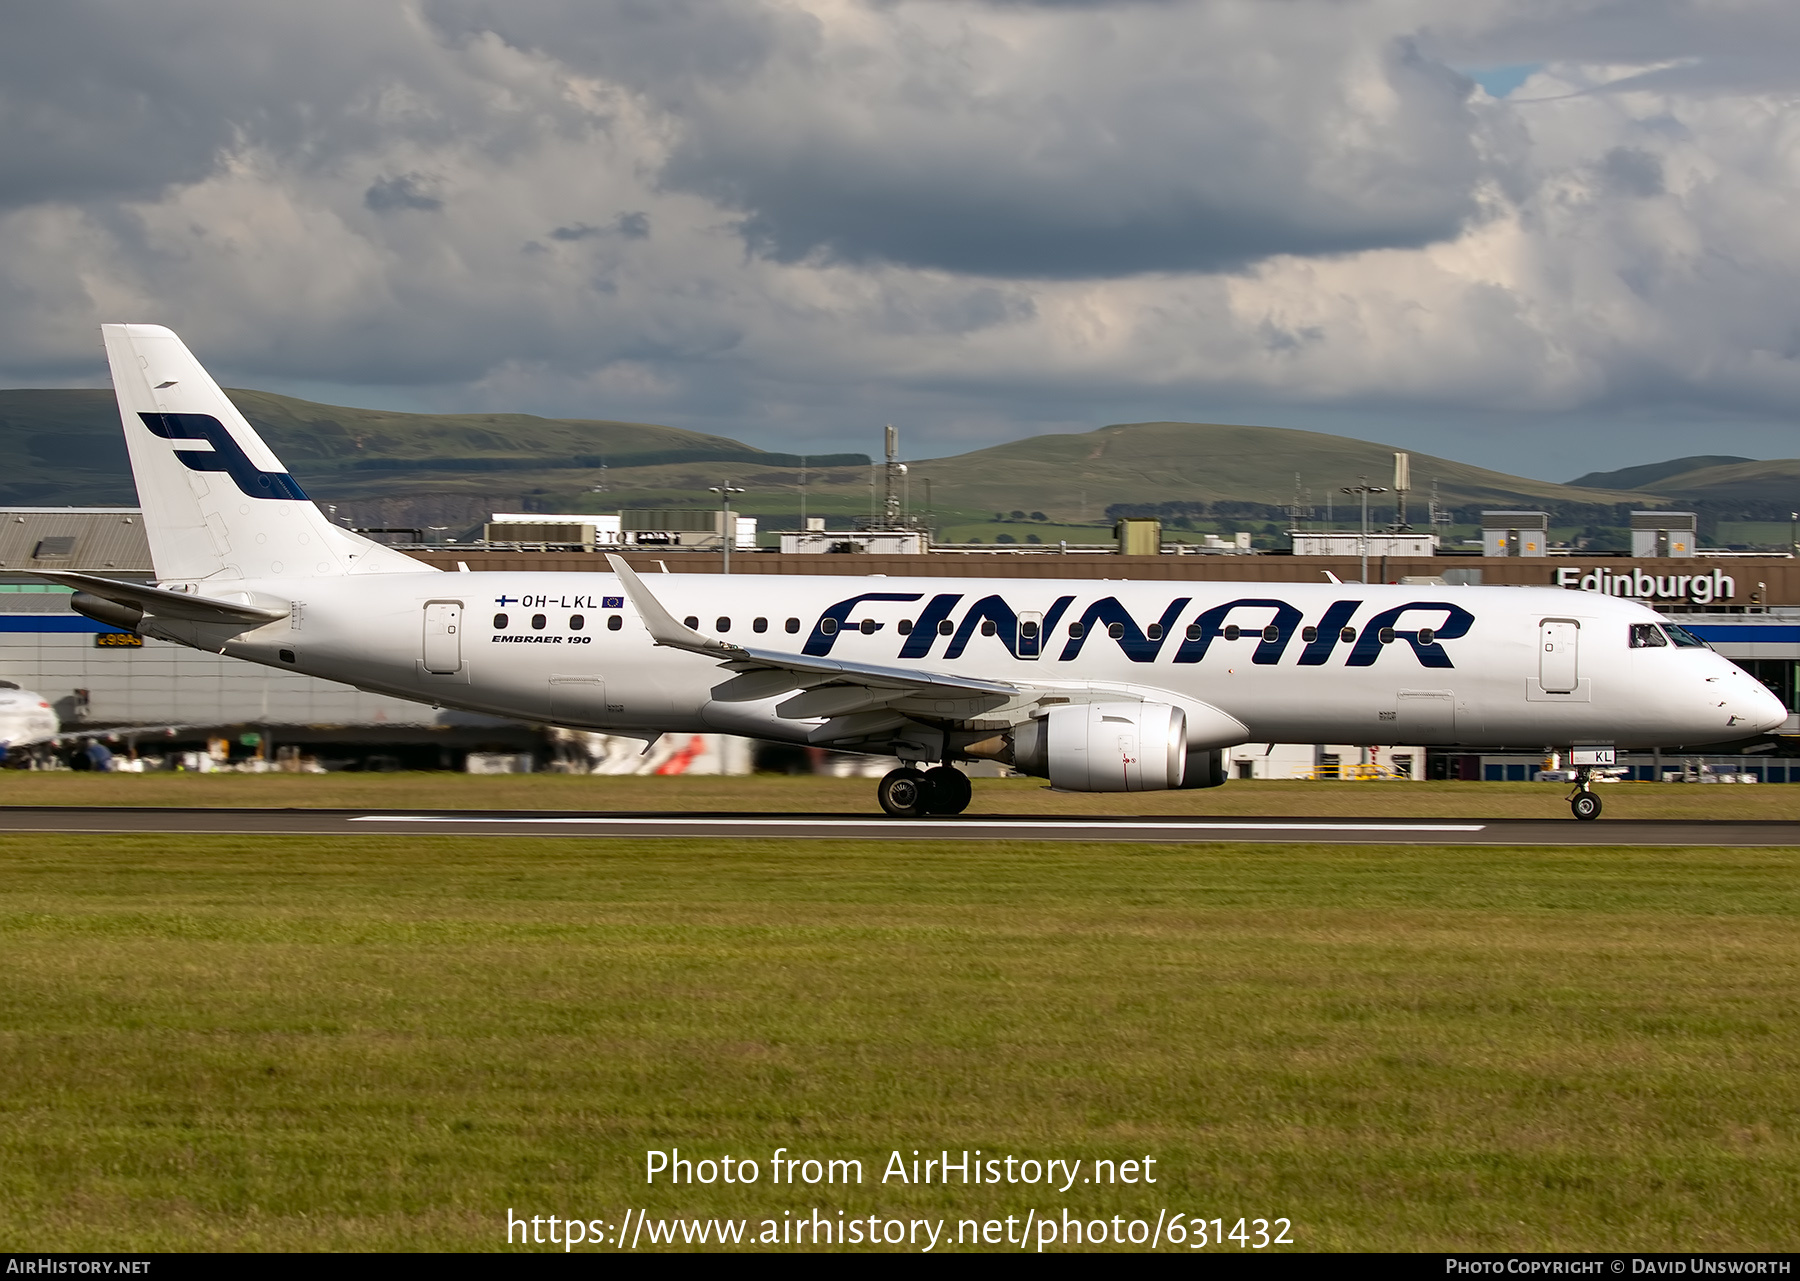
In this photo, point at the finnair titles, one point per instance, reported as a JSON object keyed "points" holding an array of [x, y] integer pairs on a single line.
{"points": [[1096, 686]]}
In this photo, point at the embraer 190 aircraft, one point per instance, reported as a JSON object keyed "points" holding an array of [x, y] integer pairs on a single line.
{"points": [[1096, 685]]}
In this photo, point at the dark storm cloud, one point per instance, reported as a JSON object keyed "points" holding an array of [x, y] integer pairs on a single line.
{"points": [[404, 191], [107, 100], [1632, 171], [1083, 145], [84, 113], [632, 226]]}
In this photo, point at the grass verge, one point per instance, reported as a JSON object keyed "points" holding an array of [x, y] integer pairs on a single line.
{"points": [[385, 1043], [811, 794]]}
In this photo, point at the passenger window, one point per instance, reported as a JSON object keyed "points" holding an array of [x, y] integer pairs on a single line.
{"points": [[1271, 633], [1309, 634], [1386, 636], [1683, 638], [1193, 631], [946, 627], [828, 626], [1116, 630], [576, 622], [793, 625], [499, 622], [1029, 629], [613, 622], [1347, 635], [905, 626], [868, 626], [691, 623], [1233, 631], [538, 622], [1075, 631], [760, 625], [722, 624], [1154, 631], [987, 627], [1427, 636]]}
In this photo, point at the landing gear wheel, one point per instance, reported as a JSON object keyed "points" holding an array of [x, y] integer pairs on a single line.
{"points": [[1586, 805], [950, 790], [905, 793]]}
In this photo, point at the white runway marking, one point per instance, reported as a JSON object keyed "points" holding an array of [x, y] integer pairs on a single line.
{"points": [[892, 824]]}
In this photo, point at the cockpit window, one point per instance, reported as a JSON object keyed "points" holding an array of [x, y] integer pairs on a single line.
{"points": [[1647, 636], [1683, 638]]}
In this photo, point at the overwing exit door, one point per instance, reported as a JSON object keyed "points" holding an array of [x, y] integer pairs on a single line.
{"points": [[1559, 658], [1031, 635], [443, 637]]}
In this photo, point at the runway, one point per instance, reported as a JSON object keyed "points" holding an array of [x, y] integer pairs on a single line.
{"points": [[1185, 829]]}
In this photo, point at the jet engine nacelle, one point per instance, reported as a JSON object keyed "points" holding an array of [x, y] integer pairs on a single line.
{"points": [[1113, 747]]}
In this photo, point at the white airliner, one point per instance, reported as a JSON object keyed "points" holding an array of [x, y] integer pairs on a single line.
{"points": [[1096, 685], [26, 718]]}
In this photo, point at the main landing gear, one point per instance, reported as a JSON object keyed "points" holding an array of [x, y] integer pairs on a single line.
{"points": [[1582, 801], [910, 793]]}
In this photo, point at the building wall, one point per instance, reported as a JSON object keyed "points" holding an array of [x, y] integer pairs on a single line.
{"points": [[1773, 580]]}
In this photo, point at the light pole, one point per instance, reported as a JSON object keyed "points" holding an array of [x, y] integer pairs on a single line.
{"points": [[727, 526], [1365, 489]]}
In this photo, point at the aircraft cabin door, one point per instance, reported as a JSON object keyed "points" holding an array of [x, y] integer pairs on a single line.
{"points": [[1558, 655], [443, 637], [1031, 635]]}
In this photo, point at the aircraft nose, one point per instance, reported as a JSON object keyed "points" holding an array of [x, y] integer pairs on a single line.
{"points": [[1767, 711]]}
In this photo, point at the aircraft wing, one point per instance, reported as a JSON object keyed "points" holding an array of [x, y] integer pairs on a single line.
{"points": [[162, 603]]}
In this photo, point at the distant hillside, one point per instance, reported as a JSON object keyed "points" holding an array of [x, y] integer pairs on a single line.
{"points": [[1072, 476], [65, 446], [1647, 474], [1719, 486], [1771, 486]]}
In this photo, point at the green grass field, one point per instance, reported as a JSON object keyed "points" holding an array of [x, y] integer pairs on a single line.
{"points": [[773, 793], [384, 1043]]}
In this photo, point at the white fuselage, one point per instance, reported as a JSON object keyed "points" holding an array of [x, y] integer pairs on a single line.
{"points": [[1341, 663], [26, 717]]}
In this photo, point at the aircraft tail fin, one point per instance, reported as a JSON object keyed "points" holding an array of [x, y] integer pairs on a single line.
{"points": [[218, 504]]}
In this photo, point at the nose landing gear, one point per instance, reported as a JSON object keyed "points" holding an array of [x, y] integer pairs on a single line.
{"points": [[1584, 803], [910, 793]]}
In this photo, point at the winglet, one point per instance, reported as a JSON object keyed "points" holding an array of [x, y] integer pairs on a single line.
{"points": [[663, 627], [1333, 577]]}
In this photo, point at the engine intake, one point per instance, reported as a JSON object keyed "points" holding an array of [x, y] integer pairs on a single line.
{"points": [[1114, 747]]}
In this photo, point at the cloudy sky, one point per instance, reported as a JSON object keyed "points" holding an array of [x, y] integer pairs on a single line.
{"points": [[1543, 235]]}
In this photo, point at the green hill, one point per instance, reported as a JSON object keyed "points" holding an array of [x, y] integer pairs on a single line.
{"points": [[1773, 483], [1721, 484], [1647, 474], [1066, 476], [65, 446]]}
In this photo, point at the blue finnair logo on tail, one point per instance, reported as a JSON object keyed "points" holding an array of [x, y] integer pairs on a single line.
{"points": [[226, 454]]}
